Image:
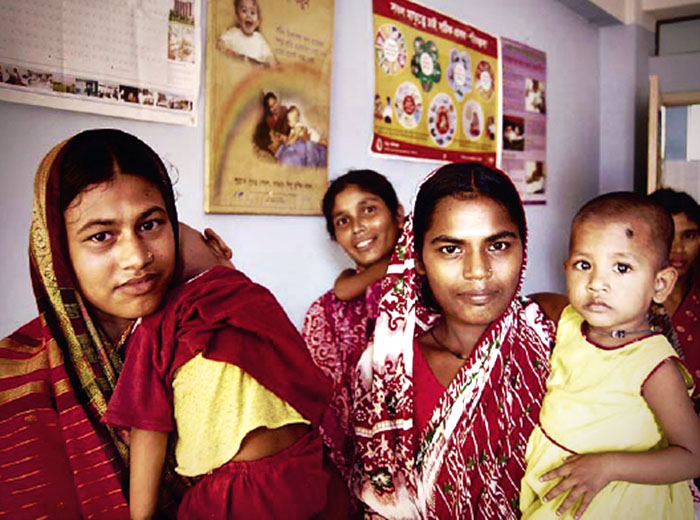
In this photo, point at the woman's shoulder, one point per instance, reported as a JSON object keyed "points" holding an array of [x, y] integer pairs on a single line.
{"points": [[551, 304], [29, 337]]}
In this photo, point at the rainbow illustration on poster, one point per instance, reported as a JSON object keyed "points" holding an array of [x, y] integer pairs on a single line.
{"points": [[233, 137]]}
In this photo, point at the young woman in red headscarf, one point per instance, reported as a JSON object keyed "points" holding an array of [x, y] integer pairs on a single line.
{"points": [[449, 389]]}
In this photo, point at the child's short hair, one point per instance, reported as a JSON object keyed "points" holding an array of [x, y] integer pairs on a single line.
{"points": [[676, 202], [367, 180], [621, 204]]}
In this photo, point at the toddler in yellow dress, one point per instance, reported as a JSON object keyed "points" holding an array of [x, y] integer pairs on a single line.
{"points": [[617, 437]]}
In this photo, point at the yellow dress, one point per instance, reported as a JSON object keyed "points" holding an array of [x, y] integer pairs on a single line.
{"points": [[594, 404], [216, 405]]}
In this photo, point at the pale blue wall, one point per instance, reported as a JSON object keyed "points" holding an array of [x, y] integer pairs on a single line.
{"points": [[292, 255], [624, 52]]}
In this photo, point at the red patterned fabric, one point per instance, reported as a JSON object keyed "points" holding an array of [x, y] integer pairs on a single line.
{"points": [[336, 332], [468, 461], [427, 386], [686, 324], [56, 461]]}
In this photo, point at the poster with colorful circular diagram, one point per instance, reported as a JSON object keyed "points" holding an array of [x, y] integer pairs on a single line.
{"points": [[408, 104], [390, 49], [441, 77]]}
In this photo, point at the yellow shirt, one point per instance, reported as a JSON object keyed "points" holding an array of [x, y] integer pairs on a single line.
{"points": [[215, 405], [594, 404]]}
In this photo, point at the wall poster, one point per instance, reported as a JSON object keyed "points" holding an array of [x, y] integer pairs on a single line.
{"points": [[525, 119], [139, 60], [437, 86], [267, 105]]}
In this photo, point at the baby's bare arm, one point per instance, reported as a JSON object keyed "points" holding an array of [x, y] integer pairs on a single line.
{"points": [[351, 284], [147, 455]]}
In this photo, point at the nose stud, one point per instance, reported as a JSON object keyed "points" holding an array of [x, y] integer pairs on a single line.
{"points": [[150, 256]]}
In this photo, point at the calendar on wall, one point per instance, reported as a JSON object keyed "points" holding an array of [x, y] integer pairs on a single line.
{"points": [[138, 60]]}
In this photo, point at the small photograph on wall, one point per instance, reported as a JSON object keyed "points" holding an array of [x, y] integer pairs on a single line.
{"points": [[534, 96], [534, 177], [513, 133], [524, 151], [268, 105]]}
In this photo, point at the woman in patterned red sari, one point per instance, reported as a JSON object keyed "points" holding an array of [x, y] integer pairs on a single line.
{"points": [[683, 305], [58, 372], [449, 388], [364, 216]]}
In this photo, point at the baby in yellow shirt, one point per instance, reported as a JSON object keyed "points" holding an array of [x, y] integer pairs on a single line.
{"points": [[618, 437], [222, 366]]}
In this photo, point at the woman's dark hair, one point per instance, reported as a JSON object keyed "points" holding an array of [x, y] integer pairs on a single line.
{"points": [[367, 180], [676, 202], [96, 156], [462, 181], [459, 180]]}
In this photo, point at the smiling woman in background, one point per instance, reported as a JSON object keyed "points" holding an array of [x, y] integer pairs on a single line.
{"points": [[364, 216], [683, 304]]}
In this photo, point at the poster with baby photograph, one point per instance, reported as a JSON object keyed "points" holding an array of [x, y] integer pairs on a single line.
{"points": [[436, 86], [525, 119], [267, 105]]}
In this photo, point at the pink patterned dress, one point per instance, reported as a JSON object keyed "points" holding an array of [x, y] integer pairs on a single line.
{"points": [[686, 324], [336, 332]]}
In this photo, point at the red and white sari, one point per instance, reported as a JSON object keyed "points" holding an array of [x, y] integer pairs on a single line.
{"points": [[469, 460]]}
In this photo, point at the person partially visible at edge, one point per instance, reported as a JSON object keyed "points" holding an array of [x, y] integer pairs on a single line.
{"points": [[449, 388], [617, 435], [363, 215], [222, 365], [103, 249], [683, 304]]}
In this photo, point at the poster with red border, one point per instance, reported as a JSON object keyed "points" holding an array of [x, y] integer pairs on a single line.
{"points": [[437, 86], [525, 119]]}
